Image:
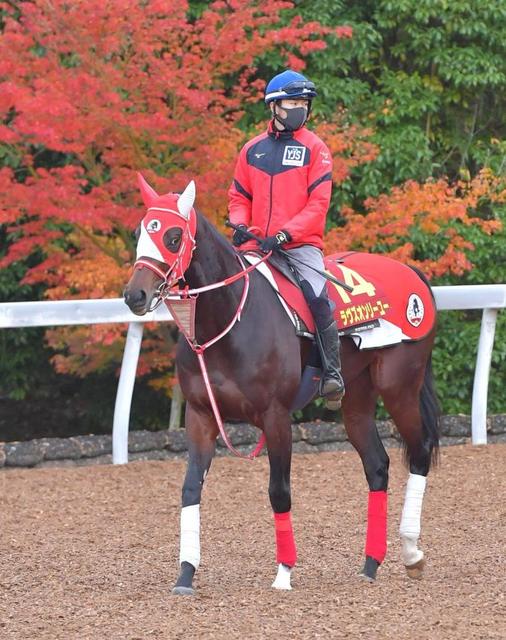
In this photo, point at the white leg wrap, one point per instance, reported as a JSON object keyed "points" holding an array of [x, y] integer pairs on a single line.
{"points": [[410, 520], [283, 578], [190, 535]]}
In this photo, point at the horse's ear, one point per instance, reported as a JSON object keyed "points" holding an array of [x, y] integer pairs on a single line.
{"points": [[186, 200], [149, 195]]}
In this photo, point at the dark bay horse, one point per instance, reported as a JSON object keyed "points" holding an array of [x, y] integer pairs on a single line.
{"points": [[253, 365]]}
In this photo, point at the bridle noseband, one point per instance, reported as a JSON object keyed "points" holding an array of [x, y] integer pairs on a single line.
{"points": [[164, 288]]}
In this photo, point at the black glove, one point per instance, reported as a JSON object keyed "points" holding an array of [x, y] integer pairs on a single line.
{"points": [[271, 243], [238, 237]]}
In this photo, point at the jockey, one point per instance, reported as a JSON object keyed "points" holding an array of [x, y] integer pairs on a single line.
{"points": [[282, 185]]}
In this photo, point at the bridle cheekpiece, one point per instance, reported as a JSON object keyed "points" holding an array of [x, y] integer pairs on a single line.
{"points": [[167, 214]]}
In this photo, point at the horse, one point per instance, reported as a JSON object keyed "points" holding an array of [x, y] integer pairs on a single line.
{"points": [[251, 373]]}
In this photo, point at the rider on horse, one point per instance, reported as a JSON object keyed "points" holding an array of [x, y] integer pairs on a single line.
{"points": [[282, 186]]}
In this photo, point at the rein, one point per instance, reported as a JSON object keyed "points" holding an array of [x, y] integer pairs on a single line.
{"points": [[188, 297]]}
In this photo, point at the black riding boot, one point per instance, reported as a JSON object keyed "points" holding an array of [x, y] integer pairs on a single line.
{"points": [[327, 339], [331, 384]]}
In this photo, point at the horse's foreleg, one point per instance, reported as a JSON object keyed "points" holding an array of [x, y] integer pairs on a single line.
{"points": [[358, 409], [279, 444], [201, 435], [286, 551]]}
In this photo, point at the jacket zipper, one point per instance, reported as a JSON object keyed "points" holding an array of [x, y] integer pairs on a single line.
{"points": [[270, 208], [276, 155]]}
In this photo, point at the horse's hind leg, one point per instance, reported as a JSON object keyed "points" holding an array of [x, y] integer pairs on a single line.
{"points": [[359, 406], [408, 421], [413, 407], [201, 433]]}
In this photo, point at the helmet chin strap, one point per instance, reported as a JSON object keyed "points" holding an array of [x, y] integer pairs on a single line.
{"points": [[278, 119]]}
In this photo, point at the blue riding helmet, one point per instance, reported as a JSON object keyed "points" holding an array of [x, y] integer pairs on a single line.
{"points": [[289, 84]]}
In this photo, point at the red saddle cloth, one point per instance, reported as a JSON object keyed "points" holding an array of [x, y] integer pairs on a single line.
{"points": [[385, 293]]}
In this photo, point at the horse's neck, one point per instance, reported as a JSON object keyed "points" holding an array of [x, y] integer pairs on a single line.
{"points": [[213, 260]]}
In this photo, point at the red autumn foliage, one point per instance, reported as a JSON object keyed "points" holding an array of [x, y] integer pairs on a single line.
{"points": [[105, 89], [348, 144], [92, 91], [437, 209]]}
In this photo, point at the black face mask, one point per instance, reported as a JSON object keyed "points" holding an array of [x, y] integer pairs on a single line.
{"points": [[295, 118]]}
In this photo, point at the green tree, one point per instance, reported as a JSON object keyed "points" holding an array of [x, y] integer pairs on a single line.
{"points": [[429, 76], [458, 331]]}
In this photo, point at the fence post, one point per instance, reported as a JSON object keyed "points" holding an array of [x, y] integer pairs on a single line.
{"points": [[481, 377], [125, 392], [175, 408]]}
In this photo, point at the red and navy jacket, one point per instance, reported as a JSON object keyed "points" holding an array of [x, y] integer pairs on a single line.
{"points": [[283, 180]]}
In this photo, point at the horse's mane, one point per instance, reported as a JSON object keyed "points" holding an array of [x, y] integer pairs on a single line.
{"points": [[204, 223]]}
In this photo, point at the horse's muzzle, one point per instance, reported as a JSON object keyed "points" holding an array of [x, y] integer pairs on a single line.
{"points": [[136, 301]]}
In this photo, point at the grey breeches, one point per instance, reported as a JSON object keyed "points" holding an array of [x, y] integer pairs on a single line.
{"points": [[313, 257]]}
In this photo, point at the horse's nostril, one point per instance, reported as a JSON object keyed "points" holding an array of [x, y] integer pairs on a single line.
{"points": [[136, 298]]}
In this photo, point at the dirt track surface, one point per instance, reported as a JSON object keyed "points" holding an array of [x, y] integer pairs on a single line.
{"points": [[92, 553]]}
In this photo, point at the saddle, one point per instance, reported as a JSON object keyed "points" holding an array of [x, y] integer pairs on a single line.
{"points": [[283, 279]]}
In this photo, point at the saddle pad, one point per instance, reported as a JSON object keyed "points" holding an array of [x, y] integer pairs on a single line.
{"points": [[389, 303], [383, 289]]}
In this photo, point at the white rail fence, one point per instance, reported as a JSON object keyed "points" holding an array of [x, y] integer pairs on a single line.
{"points": [[490, 298]]}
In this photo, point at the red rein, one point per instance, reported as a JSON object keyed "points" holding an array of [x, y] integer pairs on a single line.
{"points": [[199, 349]]}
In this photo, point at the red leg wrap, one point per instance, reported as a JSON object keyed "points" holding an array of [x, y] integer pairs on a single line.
{"points": [[286, 551], [376, 540]]}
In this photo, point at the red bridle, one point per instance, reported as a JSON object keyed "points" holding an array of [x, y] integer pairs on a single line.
{"points": [[178, 212], [172, 296]]}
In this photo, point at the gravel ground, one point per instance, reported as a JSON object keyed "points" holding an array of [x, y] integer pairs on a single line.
{"points": [[91, 553]]}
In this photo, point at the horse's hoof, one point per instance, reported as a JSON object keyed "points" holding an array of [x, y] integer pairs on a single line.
{"points": [[282, 581], [415, 571], [370, 569], [183, 591], [183, 586], [366, 578]]}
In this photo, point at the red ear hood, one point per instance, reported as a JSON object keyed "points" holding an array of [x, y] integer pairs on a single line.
{"points": [[165, 212], [149, 195]]}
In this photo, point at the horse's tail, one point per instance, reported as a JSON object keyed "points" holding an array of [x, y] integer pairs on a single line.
{"points": [[422, 277], [430, 412]]}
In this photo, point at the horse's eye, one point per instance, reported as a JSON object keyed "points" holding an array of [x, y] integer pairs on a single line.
{"points": [[172, 239]]}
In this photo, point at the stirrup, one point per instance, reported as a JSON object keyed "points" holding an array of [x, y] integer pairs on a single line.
{"points": [[334, 403], [334, 398], [338, 391]]}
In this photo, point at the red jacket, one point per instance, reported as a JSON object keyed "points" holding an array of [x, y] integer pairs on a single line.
{"points": [[283, 181]]}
